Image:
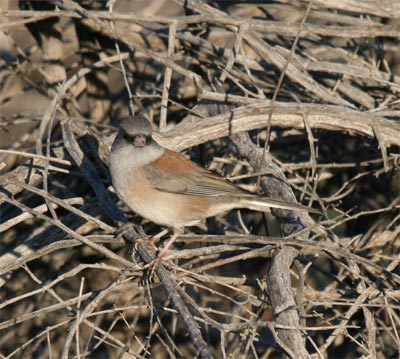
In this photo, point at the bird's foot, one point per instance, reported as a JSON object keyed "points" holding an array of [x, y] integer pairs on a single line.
{"points": [[158, 236], [128, 229], [153, 239], [155, 262]]}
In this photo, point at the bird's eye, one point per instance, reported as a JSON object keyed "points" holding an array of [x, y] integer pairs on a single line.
{"points": [[128, 137], [140, 140]]}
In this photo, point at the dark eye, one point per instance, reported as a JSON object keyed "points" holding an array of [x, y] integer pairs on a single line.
{"points": [[138, 140], [127, 136]]}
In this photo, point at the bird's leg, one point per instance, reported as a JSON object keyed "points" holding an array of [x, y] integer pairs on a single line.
{"points": [[154, 239], [158, 236], [126, 228], [170, 242]]}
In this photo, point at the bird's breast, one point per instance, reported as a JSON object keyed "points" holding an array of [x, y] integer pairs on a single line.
{"points": [[164, 208]]}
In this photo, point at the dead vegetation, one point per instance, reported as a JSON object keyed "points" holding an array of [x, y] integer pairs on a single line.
{"points": [[316, 84]]}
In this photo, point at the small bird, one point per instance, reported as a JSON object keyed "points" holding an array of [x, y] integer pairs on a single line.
{"points": [[169, 189]]}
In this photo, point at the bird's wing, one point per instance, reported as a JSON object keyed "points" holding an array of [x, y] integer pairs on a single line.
{"points": [[173, 172]]}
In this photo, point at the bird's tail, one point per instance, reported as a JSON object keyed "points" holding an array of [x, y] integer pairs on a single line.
{"points": [[262, 204]]}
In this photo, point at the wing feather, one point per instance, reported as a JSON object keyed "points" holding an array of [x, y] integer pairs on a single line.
{"points": [[173, 172]]}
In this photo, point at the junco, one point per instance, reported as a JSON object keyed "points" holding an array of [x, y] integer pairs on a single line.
{"points": [[169, 189]]}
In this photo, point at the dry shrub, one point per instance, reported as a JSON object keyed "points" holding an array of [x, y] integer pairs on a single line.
{"points": [[316, 84]]}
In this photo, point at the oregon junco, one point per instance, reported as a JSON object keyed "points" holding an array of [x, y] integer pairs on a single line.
{"points": [[169, 189]]}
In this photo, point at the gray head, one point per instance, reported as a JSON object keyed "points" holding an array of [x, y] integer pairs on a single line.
{"points": [[133, 146], [135, 130]]}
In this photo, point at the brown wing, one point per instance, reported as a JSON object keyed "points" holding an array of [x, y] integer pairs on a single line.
{"points": [[173, 172]]}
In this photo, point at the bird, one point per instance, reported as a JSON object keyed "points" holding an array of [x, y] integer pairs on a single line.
{"points": [[169, 189]]}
